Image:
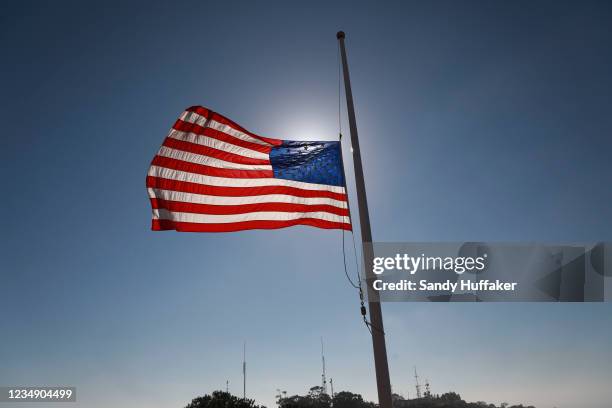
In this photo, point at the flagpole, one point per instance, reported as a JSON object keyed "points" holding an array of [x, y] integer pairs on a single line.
{"points": [[376, 321]]}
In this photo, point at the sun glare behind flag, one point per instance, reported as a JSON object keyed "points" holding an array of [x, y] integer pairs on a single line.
{"points": [[212, 175]]}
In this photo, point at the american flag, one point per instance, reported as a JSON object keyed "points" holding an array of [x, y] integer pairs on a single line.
{"points": [[212, 175]]}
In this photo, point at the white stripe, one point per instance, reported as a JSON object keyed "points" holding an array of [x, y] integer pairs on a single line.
{"points": [[161, 214], [193, 117], [171, 174], [170, 195], [208, 161], [217, 144]]}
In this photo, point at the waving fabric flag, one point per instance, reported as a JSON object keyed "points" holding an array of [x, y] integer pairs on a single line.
{"points": [[212, 175]]}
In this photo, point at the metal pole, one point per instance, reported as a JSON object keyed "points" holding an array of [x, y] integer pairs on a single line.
{"points": [[244, 371], [378, 335], [323, 379]]}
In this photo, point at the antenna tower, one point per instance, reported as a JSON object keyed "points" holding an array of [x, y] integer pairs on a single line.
{"points": [[418, 386], [244, 371], [323, 379]]}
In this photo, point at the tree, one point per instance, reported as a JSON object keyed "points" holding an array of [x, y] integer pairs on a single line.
{"points": [[346, 399], [450, 397], [316, 398], [315, 392], [220, 399]]}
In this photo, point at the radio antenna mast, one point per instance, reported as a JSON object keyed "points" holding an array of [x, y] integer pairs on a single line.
{"points": [[244, 371], [323, 379], [418, 386]]}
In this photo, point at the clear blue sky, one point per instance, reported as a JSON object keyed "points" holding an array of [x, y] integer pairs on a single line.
{"points": [[479, 121]]}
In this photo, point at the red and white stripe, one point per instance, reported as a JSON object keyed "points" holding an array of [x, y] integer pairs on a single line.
{"points": [[212, 175]]}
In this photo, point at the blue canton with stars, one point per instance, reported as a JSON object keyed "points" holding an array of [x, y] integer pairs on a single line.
{"points": [[310, 162]]}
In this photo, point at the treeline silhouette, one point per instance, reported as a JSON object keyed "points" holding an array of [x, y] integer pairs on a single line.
{"points": [[344, 399]]}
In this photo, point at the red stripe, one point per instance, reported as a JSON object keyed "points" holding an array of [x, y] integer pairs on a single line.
{"points": [[179, 206], [200, 110], [187, 187], [216, 134], [163, 225], [209, 170], [211, 152]]}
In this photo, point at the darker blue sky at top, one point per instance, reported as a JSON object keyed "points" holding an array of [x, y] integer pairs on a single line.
{"points": [[467, 105], [478, 121]]}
